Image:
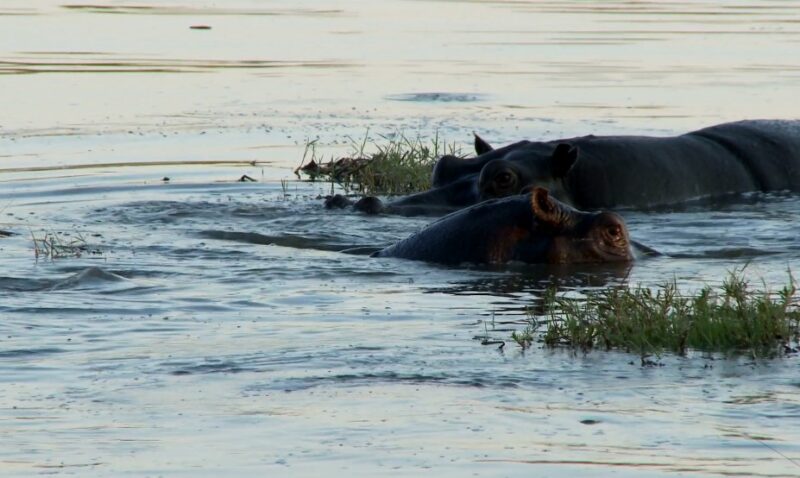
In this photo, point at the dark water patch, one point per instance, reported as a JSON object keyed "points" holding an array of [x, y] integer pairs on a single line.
{"points": [[320, 242], [202, 306], [330, 365], [17, 12], [149, 330], [385, 378], [323, 270], [137, 65], [201, 251], [144, 164], [356, 365], [743, 202], [91, 193], [249, 362], [81, 311], [727, 253], [204, 11], [437, 97], [567, 42], [25, 353], [61, 52], [361, 379], [661, 12], [212, 367], [657, 464], [19, 284]]}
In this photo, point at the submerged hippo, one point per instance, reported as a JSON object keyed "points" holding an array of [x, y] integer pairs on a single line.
{"points": [[531, 228], [594, 172]]}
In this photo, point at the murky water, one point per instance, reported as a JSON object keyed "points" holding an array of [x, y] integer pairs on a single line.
{"points": [[212, 327]]}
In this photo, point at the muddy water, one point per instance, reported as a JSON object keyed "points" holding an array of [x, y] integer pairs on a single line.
{"points": [[213, 328]]}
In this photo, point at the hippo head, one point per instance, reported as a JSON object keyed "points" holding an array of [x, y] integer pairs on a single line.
{"points": [[494, 173], [531, 228], [521, 170], [574, 236]]}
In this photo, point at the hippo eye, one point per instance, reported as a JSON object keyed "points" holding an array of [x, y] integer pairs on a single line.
{"points": [[614, 231], [504, 179]]}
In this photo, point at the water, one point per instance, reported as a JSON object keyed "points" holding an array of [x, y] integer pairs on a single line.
{"points": [[212, 328]]}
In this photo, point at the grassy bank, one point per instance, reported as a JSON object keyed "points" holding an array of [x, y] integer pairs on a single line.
{"points": [[390, 165], [734, 318]]}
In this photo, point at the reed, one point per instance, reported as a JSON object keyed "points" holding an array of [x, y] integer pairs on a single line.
{"points": [[55, 245]]}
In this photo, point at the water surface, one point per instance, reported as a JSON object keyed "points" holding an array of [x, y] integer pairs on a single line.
{"points": [[212, 327]]}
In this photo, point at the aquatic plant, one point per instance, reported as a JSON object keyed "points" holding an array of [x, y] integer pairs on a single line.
{"points": [[56, 245], [733, 319], [396, 164], [526, 337]]}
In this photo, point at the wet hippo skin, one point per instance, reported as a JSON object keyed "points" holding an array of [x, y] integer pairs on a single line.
{"points": [[530, 228], [592, 172]]}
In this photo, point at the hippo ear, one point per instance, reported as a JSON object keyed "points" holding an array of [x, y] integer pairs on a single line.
{"points": [[481, 146], [546, 209], [563, 159]]}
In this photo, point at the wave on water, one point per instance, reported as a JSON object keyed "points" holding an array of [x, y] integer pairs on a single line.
{"points": [[166, 212], [319, 243], [89, 278]]}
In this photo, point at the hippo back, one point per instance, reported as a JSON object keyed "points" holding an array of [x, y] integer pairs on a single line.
{"points": [[769, 149], [468, 235]]}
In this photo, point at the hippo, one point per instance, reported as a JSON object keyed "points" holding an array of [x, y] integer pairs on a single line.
{"points": [[529, 228], [601, 172]]}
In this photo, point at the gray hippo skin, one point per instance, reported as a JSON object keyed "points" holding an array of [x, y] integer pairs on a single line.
{"points": [[531, 228], [593, 172]]}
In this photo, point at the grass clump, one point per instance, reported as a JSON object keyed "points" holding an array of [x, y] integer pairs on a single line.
{"points": [[397, 165], [734, 318]]}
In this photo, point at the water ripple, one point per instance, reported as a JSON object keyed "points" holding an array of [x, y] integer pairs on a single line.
{"points": [[437, 97], [25, 353]]}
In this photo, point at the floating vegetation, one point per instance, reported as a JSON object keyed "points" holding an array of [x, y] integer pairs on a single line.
{"points": [[397, 165], [731, 319], [55, 245]]}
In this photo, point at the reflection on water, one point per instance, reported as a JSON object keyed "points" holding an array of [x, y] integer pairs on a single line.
{"points": [[531, 280], [680, 65]]}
